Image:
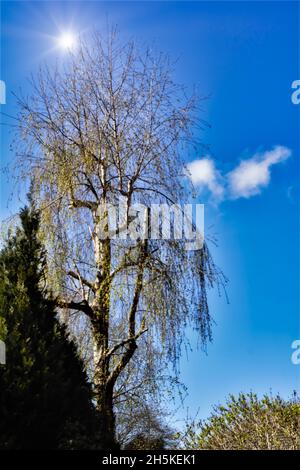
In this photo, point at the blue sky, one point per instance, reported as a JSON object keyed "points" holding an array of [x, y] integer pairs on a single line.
{"points": [[243, 56]]}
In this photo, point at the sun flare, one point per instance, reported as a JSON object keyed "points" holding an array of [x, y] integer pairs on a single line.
{"points": [[67, 41]]}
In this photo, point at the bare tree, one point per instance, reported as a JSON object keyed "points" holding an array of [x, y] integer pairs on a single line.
{"points": [[107, 124], [146, 428]]}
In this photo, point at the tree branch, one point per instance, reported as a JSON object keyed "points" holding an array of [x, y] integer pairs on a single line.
{"points": [[77, 203], [125, 341], [81, 306], [82, 279], [131, 344]]}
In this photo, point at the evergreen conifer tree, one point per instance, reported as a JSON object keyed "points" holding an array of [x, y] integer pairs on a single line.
{"points": [[45, 397]]}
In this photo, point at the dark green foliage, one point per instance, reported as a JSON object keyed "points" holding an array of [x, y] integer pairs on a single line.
{"points": [[248, 423], [45, 398]]}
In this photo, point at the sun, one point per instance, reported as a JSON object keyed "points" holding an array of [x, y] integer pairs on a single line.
{"points": [[67, 41]]}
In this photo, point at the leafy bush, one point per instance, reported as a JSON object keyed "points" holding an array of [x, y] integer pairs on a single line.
{"points": [[246, 422]]}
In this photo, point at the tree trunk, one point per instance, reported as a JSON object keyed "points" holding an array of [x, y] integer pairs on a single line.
{"points": [[107, 416], [100, 328], [104, 395], [104, 378]]}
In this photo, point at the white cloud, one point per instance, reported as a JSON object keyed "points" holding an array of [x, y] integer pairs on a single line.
{"points": [[204, 175], [245, 180], [252, 175]]}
